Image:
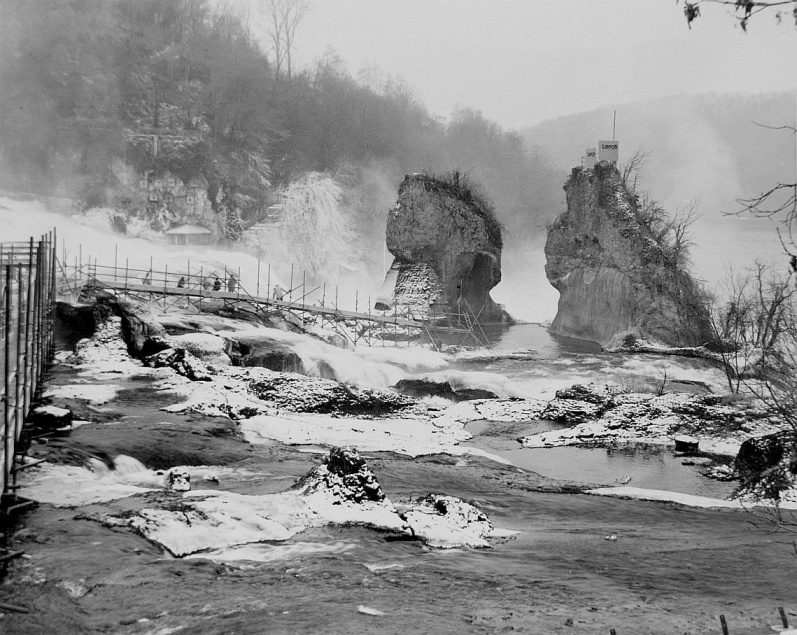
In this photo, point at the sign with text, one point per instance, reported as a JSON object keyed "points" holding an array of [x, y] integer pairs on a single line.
{"points": [[609, 151]]}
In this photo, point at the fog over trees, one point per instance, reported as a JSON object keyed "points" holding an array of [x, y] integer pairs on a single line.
{"points": [[86, 80]]}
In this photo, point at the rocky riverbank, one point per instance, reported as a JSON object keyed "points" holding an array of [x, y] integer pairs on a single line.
{"points": [[274, 536]]}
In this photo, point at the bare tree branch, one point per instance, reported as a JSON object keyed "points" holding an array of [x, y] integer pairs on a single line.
{"points": [[744, 10]]}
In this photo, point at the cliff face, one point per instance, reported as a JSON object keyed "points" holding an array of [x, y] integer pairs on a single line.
{"points": [[613, 277], [440, 232]]}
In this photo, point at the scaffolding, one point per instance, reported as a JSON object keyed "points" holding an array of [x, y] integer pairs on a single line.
{"points": [[205, 290]]}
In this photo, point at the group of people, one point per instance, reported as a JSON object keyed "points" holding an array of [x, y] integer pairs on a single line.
{"points": [[212, 281]]}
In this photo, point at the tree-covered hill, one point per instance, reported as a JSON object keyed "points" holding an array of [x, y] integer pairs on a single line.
{"points": [[89, 84]]}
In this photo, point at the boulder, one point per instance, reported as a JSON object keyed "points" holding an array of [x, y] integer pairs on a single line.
{"points": [[297, 393], [446, 522], [447, 247], [426, 388], [265, 353], [686, 445], [178, 480], [616, 280], [50, 418], [345, 476], [767, 465], [181, 361]]}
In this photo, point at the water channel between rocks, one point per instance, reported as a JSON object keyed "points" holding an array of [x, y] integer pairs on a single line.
{"points": [[541, 364]]}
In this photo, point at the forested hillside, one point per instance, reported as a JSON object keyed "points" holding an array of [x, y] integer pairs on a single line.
{"points": [[88, 84], [714, 147]]}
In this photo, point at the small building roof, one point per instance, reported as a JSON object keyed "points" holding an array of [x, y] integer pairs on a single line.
{"points": [[189, 229]]}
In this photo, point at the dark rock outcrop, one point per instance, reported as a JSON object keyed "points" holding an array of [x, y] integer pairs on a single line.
{"points": [[447, 247], [345, 475], [264, 353], [767, 465], [181, 361], [49, 418], [141, 332], [425, 388], [298, 393], [614, 277]]}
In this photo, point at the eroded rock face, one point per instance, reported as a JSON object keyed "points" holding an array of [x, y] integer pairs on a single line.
{"points": [[447, 246], [613, 277]]}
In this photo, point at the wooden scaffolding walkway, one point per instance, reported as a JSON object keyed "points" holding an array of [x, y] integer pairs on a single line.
{"points": [[179, 289]]}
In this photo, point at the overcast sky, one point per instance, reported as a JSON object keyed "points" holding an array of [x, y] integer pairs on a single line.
{"points": [[523, 61]]}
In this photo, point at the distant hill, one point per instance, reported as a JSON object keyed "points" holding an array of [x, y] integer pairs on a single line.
{"points": [[705, 146]]}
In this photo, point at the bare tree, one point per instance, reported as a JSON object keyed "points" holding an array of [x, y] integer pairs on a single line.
{"points": [[631, 171], [671, 232], [283, 18], [756, 328]]}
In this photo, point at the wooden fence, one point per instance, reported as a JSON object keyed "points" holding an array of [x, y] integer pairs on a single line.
{"points": [[27, 316]]}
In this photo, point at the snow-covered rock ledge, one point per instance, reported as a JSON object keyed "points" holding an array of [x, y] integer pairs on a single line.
{"points": [[605, 415], [343, 490]]}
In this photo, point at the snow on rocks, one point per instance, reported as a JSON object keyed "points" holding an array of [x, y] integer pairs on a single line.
{"points": [[410, 436], [298, 393], [341, 491], [345, 476], [50, 417], [208, 347], [95, 394], [182, 362], [689, 500], [606, 416], [105, 353], [447, 522]]}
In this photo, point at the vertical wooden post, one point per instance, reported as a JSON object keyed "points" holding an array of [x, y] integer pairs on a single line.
{"points": [[7, 447], [51, 306], [257, 293], [37, 315], [724, 625], [19, 386], [26, 375], [115, 259], [290, 291], [783, 617], [127, 267], [304, 294]]}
